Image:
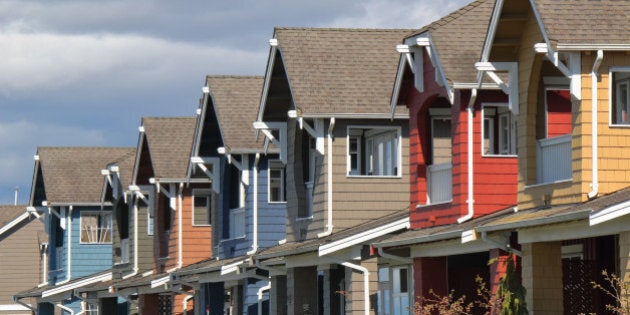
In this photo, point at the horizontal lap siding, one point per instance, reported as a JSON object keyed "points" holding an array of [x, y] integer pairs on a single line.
{"points": [[360, 199], [271, 216], [20, 259], [145, 241], [196, 240], [88, 259]]}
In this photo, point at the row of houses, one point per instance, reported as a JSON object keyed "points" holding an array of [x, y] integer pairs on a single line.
{"points": [[365, 169]]}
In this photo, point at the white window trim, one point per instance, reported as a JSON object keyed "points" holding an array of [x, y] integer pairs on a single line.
{"points": [[483, 134], [398, 154], [204, 192], [91, 212], [611, 101], [283, 179]]}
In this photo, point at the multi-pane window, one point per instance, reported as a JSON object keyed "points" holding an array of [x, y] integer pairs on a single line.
{"points": [[393, 290], [202, 207], [277, 184], [96, 227], [373, 151], [91, 309], [620, 97], [499, 134]]}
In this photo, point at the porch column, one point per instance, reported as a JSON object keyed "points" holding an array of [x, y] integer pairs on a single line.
{"points": [[624, 256], [278, 295], [542, 277], [356, 287], [430, 273], [302, 290]]}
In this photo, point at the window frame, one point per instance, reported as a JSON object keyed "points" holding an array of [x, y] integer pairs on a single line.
{"points": [[363, 159], [201, 192], [612, 102], [277, 165], [98, 213], [387, 287], [497, 139]]}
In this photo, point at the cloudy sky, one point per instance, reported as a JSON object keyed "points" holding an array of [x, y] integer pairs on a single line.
{"points": [[76, 72]]}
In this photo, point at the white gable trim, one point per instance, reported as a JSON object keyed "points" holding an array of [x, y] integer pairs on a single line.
{"points": [[71, 286], [610, 213], [14, 222], [510, 88], [364, 236]]}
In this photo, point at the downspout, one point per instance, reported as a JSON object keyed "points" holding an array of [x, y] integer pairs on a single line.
{"points": [[329, 153], [180, 254], [135, 242], [65, 308], [366, 281], [255, 227], [185, 303], [260, 296], [69, 259], [594, 171], [470, 201]]}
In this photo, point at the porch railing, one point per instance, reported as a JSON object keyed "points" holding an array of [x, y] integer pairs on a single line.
{"points": [[237, 222], [439, 183], [554, 159]]}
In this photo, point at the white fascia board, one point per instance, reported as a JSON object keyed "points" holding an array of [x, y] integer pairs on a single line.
{"points": [[13, 308], [265, 92], [609, 213], [160, 281], [449, 247], [397, 82], [470, 86], [356, 116], [233, 267], [14, 222], [78, 284], [591, 47], [540, 23], [363, 236], [492, 30]]}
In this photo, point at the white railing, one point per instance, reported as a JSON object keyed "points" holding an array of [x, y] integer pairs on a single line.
{"points": [[59, 258], [237, 222], [439, 183], [124, 250], [554, 159]]}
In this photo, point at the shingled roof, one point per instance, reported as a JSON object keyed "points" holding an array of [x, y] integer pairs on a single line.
{"points": [[9, 212], [235, 100], [340, 71], [585, 21], [72, 175], [459, 38], [170, 141]]}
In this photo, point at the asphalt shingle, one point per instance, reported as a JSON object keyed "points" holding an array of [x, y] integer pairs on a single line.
{"points": [[170, 142]]}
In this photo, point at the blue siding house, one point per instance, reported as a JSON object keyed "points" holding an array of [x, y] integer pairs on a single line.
{"points": [[67, 186], [249, 214]]}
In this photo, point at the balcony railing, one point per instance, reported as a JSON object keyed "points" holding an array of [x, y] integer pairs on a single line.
{"points": [[439, 183], [237, 222], [554, 159]]}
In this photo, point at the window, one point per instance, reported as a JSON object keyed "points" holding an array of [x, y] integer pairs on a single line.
{"points": [[202, 207], [91, 309], [277, 189], [499, 132], [96, 227], [620, 96], [373, 151], [441, 140]]}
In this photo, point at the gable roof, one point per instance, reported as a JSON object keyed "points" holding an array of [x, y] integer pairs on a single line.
{"points": [[585, 21], [235, 100], [458, 39], [170, 141], [340, 71], [72, 175]]}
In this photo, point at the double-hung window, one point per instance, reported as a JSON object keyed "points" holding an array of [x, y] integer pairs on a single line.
{"points": [[499, 133], [277, 191], [620, 96], [96, 227], [202, 207], [373, 151]]}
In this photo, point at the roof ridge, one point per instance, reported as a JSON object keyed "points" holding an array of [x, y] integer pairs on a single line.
{"points": [[235, 76], [449, 17]]}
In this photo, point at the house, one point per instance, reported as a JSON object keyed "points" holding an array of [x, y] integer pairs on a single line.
{"points": [[163, 195], [325, 106], [462, 158], [128, 238], [567, 84], [247, 195], [67, 187], [22, 241]]}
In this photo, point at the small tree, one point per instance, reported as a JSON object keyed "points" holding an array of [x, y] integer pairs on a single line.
{"points": [[511, 292], [618, 290]]}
